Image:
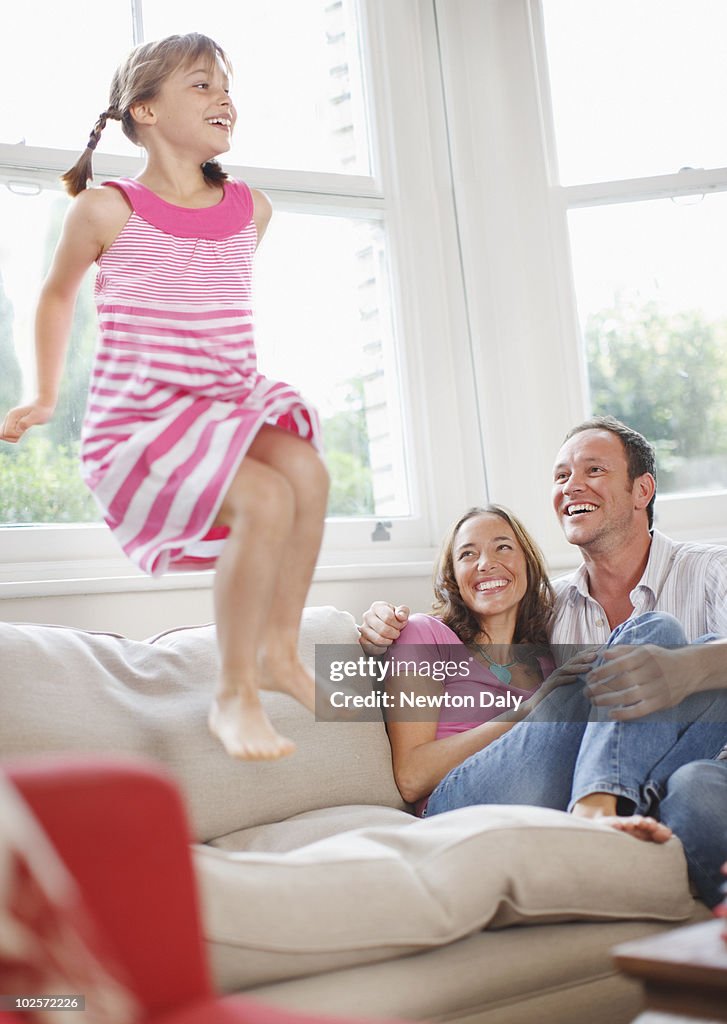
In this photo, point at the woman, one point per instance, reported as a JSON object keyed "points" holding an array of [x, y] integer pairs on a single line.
{"points": [[493, 604], [492, 608]]}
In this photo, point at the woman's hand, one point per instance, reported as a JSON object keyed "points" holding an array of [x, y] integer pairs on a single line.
{"points": [[580, 664], [23, 417]]}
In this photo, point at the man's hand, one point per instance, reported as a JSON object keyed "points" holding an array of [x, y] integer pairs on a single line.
{"points": [[634, 681], [18, 420], [382, 624]]}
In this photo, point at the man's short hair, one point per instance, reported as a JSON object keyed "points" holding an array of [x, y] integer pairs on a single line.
{"points": [[640, 454]]}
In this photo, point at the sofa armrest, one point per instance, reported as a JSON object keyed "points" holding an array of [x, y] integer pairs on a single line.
{"points": [[121, 829]]}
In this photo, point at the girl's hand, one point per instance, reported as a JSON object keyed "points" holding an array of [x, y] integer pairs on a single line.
{"points": [[18, 420]]}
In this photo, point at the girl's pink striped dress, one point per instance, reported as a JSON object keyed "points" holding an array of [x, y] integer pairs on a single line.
{"points": [[176, 398]]}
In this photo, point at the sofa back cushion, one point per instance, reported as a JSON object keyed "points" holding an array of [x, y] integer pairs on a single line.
{"points": [[69, 690]]}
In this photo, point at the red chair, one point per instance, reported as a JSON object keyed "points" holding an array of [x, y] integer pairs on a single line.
{"points": [[121, 830]]}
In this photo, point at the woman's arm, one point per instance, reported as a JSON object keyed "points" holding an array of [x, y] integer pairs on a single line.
{"points": [[420, 761], [93, 221]]}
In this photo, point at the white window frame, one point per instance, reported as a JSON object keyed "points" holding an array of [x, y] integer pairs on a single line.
{"points": [[411, 189], [529, 362]]}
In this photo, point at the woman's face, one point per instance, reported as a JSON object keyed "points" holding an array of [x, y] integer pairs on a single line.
{"points": [[490, 569]]}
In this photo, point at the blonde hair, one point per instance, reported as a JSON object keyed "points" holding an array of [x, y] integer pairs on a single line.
{"points": [[536, 607], [140, 78]]}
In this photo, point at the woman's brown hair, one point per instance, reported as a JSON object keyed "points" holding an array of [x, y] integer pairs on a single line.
{"points": [[140, 78], [536, 607]]}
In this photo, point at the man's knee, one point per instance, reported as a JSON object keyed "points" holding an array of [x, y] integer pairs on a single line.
{"points": [[695, 789], [658, 628]]}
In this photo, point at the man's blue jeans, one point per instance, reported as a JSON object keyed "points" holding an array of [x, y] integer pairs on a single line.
{"points": [[563, 752], [695, 808]]}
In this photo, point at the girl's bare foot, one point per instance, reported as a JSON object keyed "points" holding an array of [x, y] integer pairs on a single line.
{"points": [[241, 725], [286, 673]]}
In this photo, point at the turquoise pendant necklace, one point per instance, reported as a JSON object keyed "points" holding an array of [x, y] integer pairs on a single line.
{"points": [[501, 672]]}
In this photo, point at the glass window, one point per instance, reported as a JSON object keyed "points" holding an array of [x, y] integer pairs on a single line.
{"points": [[322, 290], [55, 69], [39, 478], [324, 322], [298, 86], [638, 86], [653, 312], [637, 89]]}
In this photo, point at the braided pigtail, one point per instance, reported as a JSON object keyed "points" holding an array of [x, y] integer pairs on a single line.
{"points": [[76, 178], [213, 173]]}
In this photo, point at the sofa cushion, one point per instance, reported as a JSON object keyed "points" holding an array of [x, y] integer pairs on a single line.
{"points": [[377, 893], [309, 827], [548, 974], [65, 689]]}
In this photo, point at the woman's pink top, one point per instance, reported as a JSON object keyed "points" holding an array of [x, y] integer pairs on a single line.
{"points": [[427, 640]]}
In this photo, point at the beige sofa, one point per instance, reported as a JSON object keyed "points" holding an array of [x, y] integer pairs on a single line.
{"points": [[320, 890]]}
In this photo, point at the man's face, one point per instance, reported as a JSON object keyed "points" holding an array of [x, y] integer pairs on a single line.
{"points": [[597, 505]]}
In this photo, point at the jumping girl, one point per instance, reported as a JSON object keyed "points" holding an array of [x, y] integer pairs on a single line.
{"points": [[194, 457]]}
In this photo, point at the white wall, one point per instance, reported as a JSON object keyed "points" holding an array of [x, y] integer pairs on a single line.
{"points": [[143, 613]]}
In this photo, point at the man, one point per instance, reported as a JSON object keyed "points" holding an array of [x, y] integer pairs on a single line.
{"points": [[603, 494]]}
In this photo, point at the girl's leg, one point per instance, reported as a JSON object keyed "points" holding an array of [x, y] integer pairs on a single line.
{"points": [[275, 508], [258, 509], [306, 474]]}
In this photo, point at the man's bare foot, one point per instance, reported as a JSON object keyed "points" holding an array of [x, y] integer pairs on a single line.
{"points": [[287, 674], [649, 830], [245, 731], [595, 805], [601, 808]]}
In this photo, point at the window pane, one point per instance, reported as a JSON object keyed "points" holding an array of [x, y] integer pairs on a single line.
{"points": [[56, 65], [324, 324], [653, 310], [298, 86], [637, 85], [39, 478], [323, 316]]}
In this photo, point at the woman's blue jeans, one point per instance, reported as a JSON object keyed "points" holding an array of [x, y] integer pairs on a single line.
{"points": [[567, 749]]}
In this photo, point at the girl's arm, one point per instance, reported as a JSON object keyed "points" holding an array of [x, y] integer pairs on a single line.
{"points": [[262, 212], [94, 219]]}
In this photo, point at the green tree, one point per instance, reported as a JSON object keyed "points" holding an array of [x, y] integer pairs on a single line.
{"points": [[664, 375], [347, 454], [39, 478], [10, 375], [41, 483]]}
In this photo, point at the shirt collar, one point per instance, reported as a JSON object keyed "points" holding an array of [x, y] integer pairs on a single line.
{"points": [[658, 564], [656, 571]]}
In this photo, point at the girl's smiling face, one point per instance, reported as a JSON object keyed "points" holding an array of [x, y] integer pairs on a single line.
{"points": [[490, 569], [192, 110]]}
